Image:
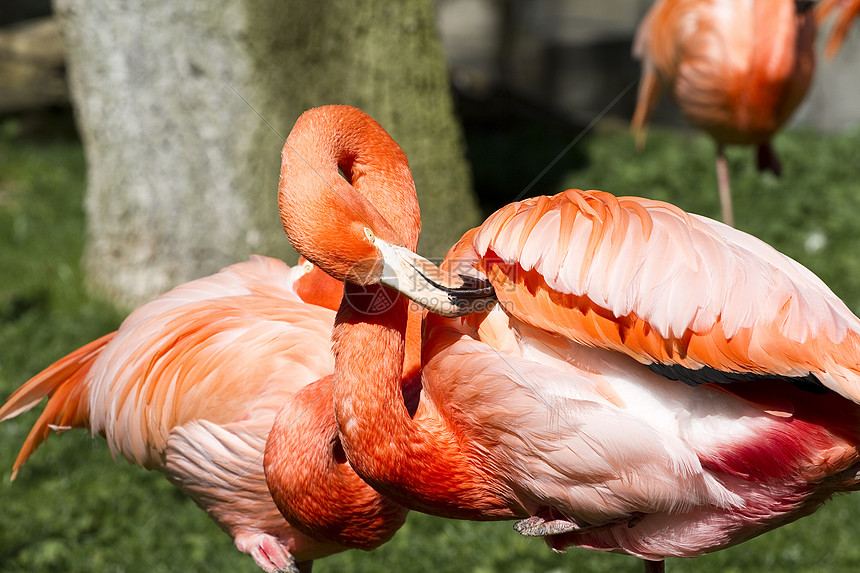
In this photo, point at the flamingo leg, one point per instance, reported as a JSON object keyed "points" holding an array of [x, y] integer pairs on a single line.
{"points": [[655, 566], [725, 187]]}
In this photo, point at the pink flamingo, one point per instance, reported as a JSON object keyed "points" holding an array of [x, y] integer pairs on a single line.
{"points": [[190, 385], [651, 382], [737, 70]]}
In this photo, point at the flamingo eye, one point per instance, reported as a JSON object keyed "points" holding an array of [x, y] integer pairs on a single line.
{"points": [[369, 234]]}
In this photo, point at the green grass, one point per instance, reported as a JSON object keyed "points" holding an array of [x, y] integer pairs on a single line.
{"points": [[73, 509]]}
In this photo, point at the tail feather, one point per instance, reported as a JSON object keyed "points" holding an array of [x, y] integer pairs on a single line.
{"points": [[64, 382], [848, 11]]}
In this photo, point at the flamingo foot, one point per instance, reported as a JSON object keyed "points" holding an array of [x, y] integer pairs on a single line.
{"points": [[766, 159], [269, 554], [537, 526]]}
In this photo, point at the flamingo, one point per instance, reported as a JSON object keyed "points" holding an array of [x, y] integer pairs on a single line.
{"points": [[649, 381], [191, 384], [848, 11], [737, 70]]}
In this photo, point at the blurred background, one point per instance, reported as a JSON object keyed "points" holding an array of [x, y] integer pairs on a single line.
{"points": [[140, 148]]}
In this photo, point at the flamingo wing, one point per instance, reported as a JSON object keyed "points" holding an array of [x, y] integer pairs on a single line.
{"points": [[214, 349], [694, 299], [682, 46]]}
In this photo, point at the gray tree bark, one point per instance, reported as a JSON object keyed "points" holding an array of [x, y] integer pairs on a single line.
{"points": [[182, 172]]}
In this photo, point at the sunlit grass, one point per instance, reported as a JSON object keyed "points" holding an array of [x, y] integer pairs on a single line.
{"points": [[73, 509]]}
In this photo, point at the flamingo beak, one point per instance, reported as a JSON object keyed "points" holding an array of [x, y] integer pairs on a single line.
{"points": [[426, 284]]}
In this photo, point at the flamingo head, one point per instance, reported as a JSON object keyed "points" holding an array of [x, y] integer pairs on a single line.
{"points": [[363, 230]]}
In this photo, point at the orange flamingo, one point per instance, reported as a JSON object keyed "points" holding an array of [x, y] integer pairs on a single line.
{"points": [[737, 69], [651, 382], [190, 385], [848, 11]]}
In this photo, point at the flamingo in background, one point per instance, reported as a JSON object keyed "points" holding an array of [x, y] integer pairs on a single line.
{"points": [[848, 11], [651, 382], [737, 70], [190, 385]]}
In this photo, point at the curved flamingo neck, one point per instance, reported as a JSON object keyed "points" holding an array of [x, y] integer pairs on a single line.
{"points": [[417, 461], [314, 486], [412, 353], [416, 458]]}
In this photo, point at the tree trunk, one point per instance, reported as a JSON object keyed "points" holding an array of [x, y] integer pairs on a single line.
{"points": [[385, 58], [182, 173]]}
